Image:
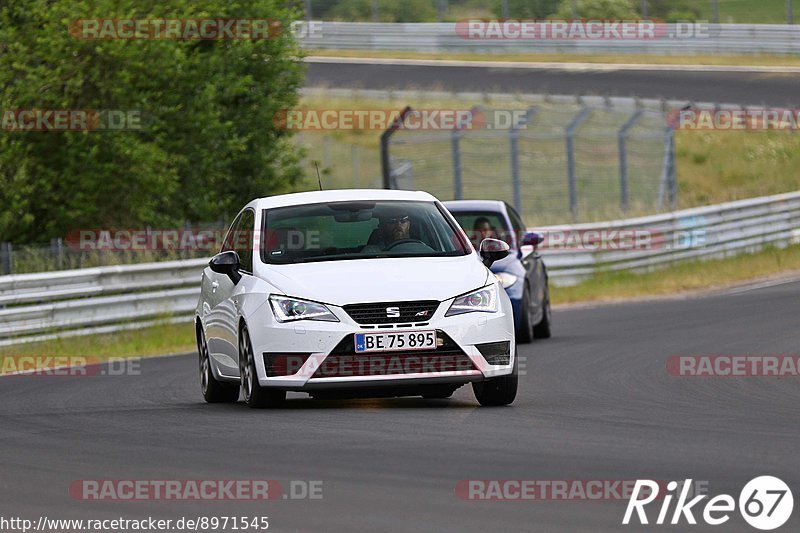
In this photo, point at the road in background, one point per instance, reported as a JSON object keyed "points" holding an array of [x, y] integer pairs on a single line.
{"points": [[751, 88], [596, 403]]}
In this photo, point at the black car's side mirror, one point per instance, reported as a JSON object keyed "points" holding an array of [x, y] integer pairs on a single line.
{"points": [[492, 250], [226, 263], [531, 239]]}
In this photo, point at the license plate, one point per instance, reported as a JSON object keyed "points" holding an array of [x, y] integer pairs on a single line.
{"points": [[395, 341]]}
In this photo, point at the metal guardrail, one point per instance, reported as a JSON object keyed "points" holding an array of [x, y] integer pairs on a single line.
{"points": [[74, 302], [746, 39], [698, 233]]}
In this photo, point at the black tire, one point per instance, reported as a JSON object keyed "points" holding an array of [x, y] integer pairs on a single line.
{"points": [[525, 333], [254, 395], [497, 391], [213, 391], [542, 329]]}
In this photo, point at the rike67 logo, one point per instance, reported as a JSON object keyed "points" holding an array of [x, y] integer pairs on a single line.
{"points": [[765, 503]]}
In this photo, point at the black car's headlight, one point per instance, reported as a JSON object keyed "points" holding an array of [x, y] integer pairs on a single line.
{"points": [[288, 309], [506, 279], [482, 300]]}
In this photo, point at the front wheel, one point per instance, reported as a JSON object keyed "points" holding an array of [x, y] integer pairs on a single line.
{"points": [[497, 391], [542, 329], [213, 391], [255, 395], [525, 332]]}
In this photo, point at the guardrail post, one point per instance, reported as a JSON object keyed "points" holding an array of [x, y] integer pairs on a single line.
{"points": [[7, 257], [571, 178], [356, 163], [514, 141], [386, 136], [623, 159]]}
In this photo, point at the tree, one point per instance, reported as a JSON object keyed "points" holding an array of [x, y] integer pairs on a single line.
{"points": [[528, 9], [673, 10], [599, 9], [207, 142]]}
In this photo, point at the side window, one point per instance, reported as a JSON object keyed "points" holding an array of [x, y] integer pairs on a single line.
{"points": [[227, 244], [243, 240]]}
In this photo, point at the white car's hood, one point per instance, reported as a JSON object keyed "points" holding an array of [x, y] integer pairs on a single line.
{"points": [[380, 280]]}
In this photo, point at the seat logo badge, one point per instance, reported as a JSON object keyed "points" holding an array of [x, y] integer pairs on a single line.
{"points": [[392, 312]]}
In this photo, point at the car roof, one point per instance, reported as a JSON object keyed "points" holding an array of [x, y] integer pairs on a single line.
{"points": [[476, 205], [341, 195]]}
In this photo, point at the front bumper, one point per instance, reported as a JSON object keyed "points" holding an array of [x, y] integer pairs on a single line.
{"points": [[321, 343]]}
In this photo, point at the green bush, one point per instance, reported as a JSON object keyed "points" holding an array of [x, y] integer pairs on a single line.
{"points": [[208, 142]]}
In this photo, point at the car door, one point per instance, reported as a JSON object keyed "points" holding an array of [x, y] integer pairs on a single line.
{"points": [[220, 322], [532, 262]]}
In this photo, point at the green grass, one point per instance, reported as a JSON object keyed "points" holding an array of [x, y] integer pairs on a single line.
{"points": [[630, 59], [682, 277], [153, 341], [749, 11]]}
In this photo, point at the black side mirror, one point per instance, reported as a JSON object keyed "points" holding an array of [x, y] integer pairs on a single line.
{"points": [[492, 250], [226, 263], [531, 239]]}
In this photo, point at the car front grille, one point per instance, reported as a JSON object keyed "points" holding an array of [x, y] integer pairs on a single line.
{"points": [[379, 313], [343, 361]]}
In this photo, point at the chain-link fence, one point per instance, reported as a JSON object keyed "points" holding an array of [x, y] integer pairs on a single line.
{"points": [[557, 163]]}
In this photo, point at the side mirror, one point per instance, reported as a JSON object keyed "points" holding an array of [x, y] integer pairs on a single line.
{"points": [[492, 250], [226, 263], [531, 239]]}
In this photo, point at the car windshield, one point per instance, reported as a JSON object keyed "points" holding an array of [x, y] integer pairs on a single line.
{"points": [[479, 225], [358, 230]]}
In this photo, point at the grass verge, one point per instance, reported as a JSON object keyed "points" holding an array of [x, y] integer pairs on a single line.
{"points": [[759, 60], [681, 278], [153, 341]]}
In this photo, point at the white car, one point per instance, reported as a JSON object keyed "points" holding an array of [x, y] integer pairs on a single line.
{"points": [[353, 293]]}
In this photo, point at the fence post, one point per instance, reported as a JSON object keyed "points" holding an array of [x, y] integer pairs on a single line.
{"points": [[571, 179], [514, 141], [789, 13], [669, 185], [57, 252], [623, 159], [455, 145], [6, 257], [385, 138]]}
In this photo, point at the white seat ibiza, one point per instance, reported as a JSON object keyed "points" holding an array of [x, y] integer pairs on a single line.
{"points": [[353, 293]]}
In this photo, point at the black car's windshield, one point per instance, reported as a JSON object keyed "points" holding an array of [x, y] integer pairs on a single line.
{"points": [[479, 225], [357, 230]]}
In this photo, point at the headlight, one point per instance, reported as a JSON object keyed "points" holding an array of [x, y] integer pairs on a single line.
{"points": [[483, 300], [506, 279], [289, 309]]}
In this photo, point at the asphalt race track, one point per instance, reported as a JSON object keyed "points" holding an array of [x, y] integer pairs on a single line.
{"points": [[596, 403], [750, 88]]}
